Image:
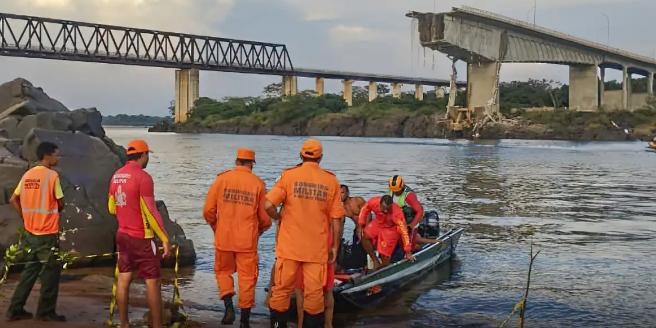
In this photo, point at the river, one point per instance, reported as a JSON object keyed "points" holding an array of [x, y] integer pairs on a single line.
{"points": [[588, 207]]}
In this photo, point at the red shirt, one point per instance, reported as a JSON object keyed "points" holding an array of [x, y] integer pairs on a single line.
{"points": [[132, 200], [412, 201], [392, 220]]}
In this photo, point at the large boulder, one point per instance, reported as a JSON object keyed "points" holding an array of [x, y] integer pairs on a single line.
{"points": [[85, 161], [88, 160], [10, 223], [20, 97]]}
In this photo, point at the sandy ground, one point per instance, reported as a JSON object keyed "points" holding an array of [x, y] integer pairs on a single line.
{"points": [[84, 298]]}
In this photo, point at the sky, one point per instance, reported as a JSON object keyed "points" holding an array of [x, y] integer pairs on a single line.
{"points": [[371, 36]]}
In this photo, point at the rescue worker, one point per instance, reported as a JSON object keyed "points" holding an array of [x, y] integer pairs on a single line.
{"points": [[132, 201], [234, 208], [384, 231], [38, 198], [311, 206], [407, 200], [352, 206]]}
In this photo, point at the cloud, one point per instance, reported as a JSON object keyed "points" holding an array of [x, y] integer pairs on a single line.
{"points": [[198, 16], [341, 34]]}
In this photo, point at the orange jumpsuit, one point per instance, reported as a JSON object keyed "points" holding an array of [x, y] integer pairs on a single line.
{"points": [[386, 229], [235, 209], [311, 199]]}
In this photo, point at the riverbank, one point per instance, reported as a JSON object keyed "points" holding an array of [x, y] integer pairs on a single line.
{"points": [[84, 296], [548, 125]]}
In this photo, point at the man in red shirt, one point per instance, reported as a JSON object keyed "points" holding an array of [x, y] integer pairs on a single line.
{"points": [[384, 230], [132, 200], [406, 198]]}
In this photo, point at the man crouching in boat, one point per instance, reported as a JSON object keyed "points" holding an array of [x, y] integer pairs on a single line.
{"points": [[384, 230]]}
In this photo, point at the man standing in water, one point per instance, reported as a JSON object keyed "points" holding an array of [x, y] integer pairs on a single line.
{"points": [[234, 208], [38, 198], [311, 200], [132, 200]]}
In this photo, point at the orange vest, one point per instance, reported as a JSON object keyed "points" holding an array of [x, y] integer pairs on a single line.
{"points": [[38, 202]]}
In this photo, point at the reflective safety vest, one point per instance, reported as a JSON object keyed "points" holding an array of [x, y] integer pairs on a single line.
{"points": [[408, 212], [39, 190]]}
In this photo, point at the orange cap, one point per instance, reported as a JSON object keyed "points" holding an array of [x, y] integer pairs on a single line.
{"points": [[138, 146], [246, 154], [311, 148]]}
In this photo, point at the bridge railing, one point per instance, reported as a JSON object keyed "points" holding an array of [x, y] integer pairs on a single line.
{"points": [[28, 36]]}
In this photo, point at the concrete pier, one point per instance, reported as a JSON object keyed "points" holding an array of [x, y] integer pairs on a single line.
{"points": [[650, 83], [319, 86], [373, 90], [186, 93], [481, 78], [396, 90], [626, 88], [348, 92], [289, 85], [583, 87], [602, 85], [419, 92], [440, 92]]}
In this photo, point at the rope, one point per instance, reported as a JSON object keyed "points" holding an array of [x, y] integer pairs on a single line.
{"points": [[12, 253]]}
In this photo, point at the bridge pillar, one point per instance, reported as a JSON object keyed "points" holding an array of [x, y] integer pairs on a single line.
{"points": [[419, 92], [373, 91], [602, 85], [348, 92], [481, 80], [583, 87], [186, 93], [626, 88], [439, 92], [650, 83], [396, 90], [319, 86], [289, 85]]}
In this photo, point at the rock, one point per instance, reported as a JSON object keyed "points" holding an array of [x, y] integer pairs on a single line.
{"points": [[10, 125], [8, 157], [4, 134], [85, 161], [32, 100], [12, 145], [178, 237], [51, 121], [162, 126], [87, 120], [9, 177], [10, 222]]}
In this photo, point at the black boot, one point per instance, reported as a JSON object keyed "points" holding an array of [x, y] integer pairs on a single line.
{"points": [[278, 319], [313, 321], [244, 319], [229, 316]]}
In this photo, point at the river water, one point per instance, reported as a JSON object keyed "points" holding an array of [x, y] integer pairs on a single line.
{"points": [[588, 207]]}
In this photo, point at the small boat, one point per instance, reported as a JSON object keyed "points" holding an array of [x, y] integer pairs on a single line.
{"points": [[355, 290]]}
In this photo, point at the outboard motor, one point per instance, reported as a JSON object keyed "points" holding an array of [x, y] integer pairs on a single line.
{"points": [[430, 226]]}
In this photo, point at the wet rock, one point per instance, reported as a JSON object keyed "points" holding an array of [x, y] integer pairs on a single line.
{"points": [[12, 145], [162, 126], [177, 237]]}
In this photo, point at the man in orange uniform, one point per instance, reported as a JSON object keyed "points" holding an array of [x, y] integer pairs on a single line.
{"points": [[311, 206], [234, 208], [38, 198], [384, 230], [132, 200]]}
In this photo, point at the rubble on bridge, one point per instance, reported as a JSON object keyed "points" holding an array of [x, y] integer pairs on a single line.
{"points": [[29, 116]]}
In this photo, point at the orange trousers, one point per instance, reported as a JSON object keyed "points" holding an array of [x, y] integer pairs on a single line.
{"points": [[314, 278], [245, 264]]}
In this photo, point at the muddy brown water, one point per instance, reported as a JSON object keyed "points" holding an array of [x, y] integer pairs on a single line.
{"points": [[589, 208]]}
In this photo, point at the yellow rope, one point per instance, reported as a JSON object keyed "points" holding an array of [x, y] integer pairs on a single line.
{"points": [[112, 303]]}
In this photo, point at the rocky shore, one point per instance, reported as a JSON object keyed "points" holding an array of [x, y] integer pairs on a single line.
{"points": [[28, 116]]}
